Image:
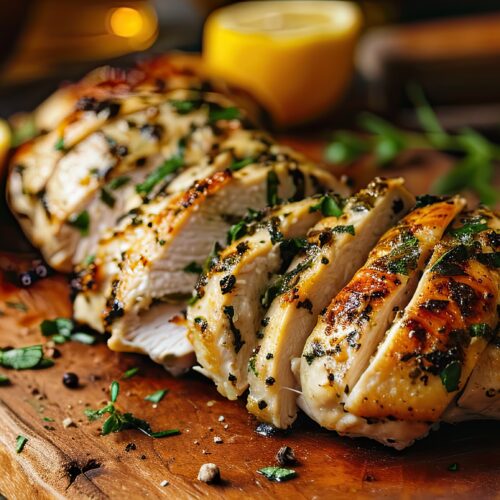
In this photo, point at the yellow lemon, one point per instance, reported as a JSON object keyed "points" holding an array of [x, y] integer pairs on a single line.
{"points": [[295, 57]]}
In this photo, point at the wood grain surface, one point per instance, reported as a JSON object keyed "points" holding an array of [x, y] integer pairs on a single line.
{"points": [[76, 462]]}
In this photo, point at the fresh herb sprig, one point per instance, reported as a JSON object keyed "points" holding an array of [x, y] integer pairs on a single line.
{"points": [[118, 421], [25, 358], [473, 171]]}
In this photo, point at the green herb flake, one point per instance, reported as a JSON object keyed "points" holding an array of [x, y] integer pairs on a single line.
{"points": [[183, 107], [131, 372], [61, 326], [491, 259], [217, 113], [22, 358], [468, 230], [48, 419], [59, 145], [157, 396], [20, 443], [450, 376], [482, 330], [328, 206], [239, 164], [81, 222], [169, 167], [18, 306], [251, 365], [449, 263], [454, 467], [404, 257], [4, 380], [344, 229], [193, 268], [277, 474], [238, 342], [118, 182], [107, 198], [114, 390], [165, 433]]}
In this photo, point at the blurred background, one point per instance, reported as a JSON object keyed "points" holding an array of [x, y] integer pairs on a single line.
{"points": [[451, 47]]}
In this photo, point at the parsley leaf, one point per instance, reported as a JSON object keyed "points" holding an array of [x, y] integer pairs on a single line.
{"points": [[20, 443], [277, 474], [328, 206], [272, 188], [81, 222], [130, 373], [114, 390], [169, 167], [22, 358], [4, 380], [450, 376], [193, 268], [239, 164], [157, 396], [217, 113]]}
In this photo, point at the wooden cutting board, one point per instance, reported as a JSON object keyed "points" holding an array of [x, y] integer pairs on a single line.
{"points": [[76, 462]]}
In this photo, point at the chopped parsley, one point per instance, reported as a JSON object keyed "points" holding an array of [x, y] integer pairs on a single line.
{"points": [[239, 164], [404, 257], [4, 380], [81, 222], [251, 364], [491, 259], [130, 373], [450, 376], [272, 188], [118, 421], [427, 199], [328, 206], [25, 358], [469, 229], [168, 167], [481, 330], [59, 145], [107, 198], [157, 396], [277, 474], [183, 107], [344, 229], [240, 229], [217, 113], [118, 182], [20, 443]]}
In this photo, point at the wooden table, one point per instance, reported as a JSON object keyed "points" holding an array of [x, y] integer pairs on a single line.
{"points": [[76, 462]]}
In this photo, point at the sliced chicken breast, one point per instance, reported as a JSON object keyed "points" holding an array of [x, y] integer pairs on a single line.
{"points": [[164, 238], [347, 334], [337, 247], [430, 351], [145, 148], [226, 316]]}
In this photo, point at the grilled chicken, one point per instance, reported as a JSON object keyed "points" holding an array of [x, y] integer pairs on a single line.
{"points": [[226, 317], [339, 349], [337, 247], [429, 352], [481, 396], [113, 169], [170, 235]]}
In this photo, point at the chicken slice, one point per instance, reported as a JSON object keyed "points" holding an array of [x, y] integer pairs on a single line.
{"points": [[338, 350], [224, 320], [141, 147], [429, 352], [167, 236], [338, 246], [481, 396]]}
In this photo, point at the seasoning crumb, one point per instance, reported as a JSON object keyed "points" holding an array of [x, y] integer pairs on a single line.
{"points": [[369, 478], [209, 473], [68, 422], [218, 440], [164, 483], [69, 407], [196, 441], [205, 452], [210, 403], [285, 456], [221, 418], [130, 447], [155, 406], [143, 457], [226, 426]]}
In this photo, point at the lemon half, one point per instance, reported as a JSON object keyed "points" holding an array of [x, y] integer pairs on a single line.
{"points": [[295, 57]]}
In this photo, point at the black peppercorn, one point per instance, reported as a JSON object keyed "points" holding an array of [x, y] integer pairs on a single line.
{"points": [[70, 380]]}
